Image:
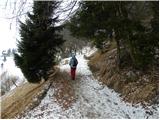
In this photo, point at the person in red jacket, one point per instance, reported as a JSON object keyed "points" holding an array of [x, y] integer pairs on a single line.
{"points": [[73, 64]]}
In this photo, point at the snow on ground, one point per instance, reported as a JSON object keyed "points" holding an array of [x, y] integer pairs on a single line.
{"points": [[11, 72], [11, 68], [93, 100]]}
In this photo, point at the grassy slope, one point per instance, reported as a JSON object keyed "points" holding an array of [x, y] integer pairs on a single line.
{"points": [[22, 97], [138, 88], [15, 103], [29, 95]]}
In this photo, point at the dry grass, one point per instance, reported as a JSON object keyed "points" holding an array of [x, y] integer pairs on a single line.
{"points": [[139, 89], [99, 58], [7, 81], [113, 45], [95, 61], [21, 98], [18, 100]]}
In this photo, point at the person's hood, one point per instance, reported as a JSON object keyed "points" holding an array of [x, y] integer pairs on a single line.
{"points": [[73, 56]]}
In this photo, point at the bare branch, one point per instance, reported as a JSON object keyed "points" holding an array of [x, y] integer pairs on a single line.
{"points": [[17, 15], [6, 4], [71, 6]]}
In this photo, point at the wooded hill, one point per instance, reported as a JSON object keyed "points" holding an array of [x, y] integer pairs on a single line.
{"points": [[126, 35], [132, 25]]}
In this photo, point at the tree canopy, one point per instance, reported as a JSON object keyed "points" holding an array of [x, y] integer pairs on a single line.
{"points": [[135, 25]]}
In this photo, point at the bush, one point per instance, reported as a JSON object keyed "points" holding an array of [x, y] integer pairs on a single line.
{"points": [[7, 82]]}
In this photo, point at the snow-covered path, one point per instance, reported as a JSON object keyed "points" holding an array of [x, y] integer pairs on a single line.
{"points": [[93, 100]]}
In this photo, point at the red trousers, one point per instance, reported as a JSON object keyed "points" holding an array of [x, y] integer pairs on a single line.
{"points": [[73, 73]]}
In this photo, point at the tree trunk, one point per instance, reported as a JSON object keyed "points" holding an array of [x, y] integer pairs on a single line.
{"points": [[132, 53], [118, 53]]}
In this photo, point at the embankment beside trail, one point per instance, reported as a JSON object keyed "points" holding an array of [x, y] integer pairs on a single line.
{"points": [[26, 96], [134, 86], [21, 98]]}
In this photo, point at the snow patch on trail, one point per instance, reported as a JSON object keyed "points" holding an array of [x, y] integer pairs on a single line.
{"points": [[93, 100], [98, 101]]}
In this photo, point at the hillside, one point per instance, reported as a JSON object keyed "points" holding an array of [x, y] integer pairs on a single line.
{"points": [[79, 59], [85, 97], [135, 86], [21, 98], [10, 75]]}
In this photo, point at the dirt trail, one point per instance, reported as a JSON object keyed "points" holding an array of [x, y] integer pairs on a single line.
{"points": [[92, 100]]}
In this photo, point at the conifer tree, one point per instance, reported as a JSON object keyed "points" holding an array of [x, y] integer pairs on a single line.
{"points": [[39, 41], [136, 35]]}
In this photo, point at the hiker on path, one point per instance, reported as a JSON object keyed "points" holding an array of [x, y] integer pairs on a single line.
{"points": [[73, 64]]}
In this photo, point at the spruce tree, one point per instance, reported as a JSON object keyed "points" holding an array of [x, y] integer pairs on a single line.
{"points": [[39, 41]]}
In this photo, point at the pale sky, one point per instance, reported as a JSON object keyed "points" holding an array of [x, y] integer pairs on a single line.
{"points": [[7, 36], [8, 30]]}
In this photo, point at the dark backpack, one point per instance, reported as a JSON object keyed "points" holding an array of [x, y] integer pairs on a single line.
{"points": [[74, 62]]}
